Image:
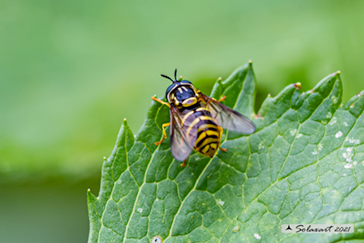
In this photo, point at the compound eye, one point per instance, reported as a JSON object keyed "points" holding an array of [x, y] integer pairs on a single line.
{"points": [[169, 88]]}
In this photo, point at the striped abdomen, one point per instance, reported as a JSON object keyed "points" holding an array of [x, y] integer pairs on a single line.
{"points": [[208, 132]]}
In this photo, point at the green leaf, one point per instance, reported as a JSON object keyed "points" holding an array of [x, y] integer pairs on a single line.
{"points": [[304, 164]]}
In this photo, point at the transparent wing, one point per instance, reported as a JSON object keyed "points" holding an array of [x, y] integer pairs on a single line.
{"points": [[228, 118], [182, 136]]}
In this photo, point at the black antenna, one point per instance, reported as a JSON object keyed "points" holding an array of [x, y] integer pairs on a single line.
{"points": [[175, 74], [165, 76]]}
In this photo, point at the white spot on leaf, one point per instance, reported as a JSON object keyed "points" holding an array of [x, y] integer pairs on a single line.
{"points": [[299, 135], [345, 124], [348, 166], [236, 228], [354, 141], [338, 134], [257, 236], [261, 146], [157, 239], [334, 99], [329, 115], [333, 121], [220, 202], [348, 155], [293, 132], [140, 210]]}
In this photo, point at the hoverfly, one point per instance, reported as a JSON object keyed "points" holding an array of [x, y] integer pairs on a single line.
{"points": [[197, 121]]}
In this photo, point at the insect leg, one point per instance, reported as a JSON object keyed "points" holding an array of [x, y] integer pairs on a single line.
{"points": [[184, 163], [221, 131], [164, 133], [222, 99], [160, 101], [223, 149]]}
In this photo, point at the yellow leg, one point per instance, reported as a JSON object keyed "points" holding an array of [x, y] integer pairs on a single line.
{"points": [[160, 101], [184, 163], [222, 99], [164, 134], [221, 131]]}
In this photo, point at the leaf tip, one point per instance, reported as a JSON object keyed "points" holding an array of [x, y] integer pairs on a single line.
{"points": [[250, 63], [90, 196], [337, 74], [125, 123], [297, 85]]}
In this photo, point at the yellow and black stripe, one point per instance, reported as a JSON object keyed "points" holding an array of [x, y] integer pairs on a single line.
{"points": [[208, 132]]}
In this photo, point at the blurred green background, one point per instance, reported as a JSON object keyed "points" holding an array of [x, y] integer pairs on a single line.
{"points": [[71, 71]]}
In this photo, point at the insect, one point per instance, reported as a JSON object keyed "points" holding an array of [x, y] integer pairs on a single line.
{"points": [[197, 121]]}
